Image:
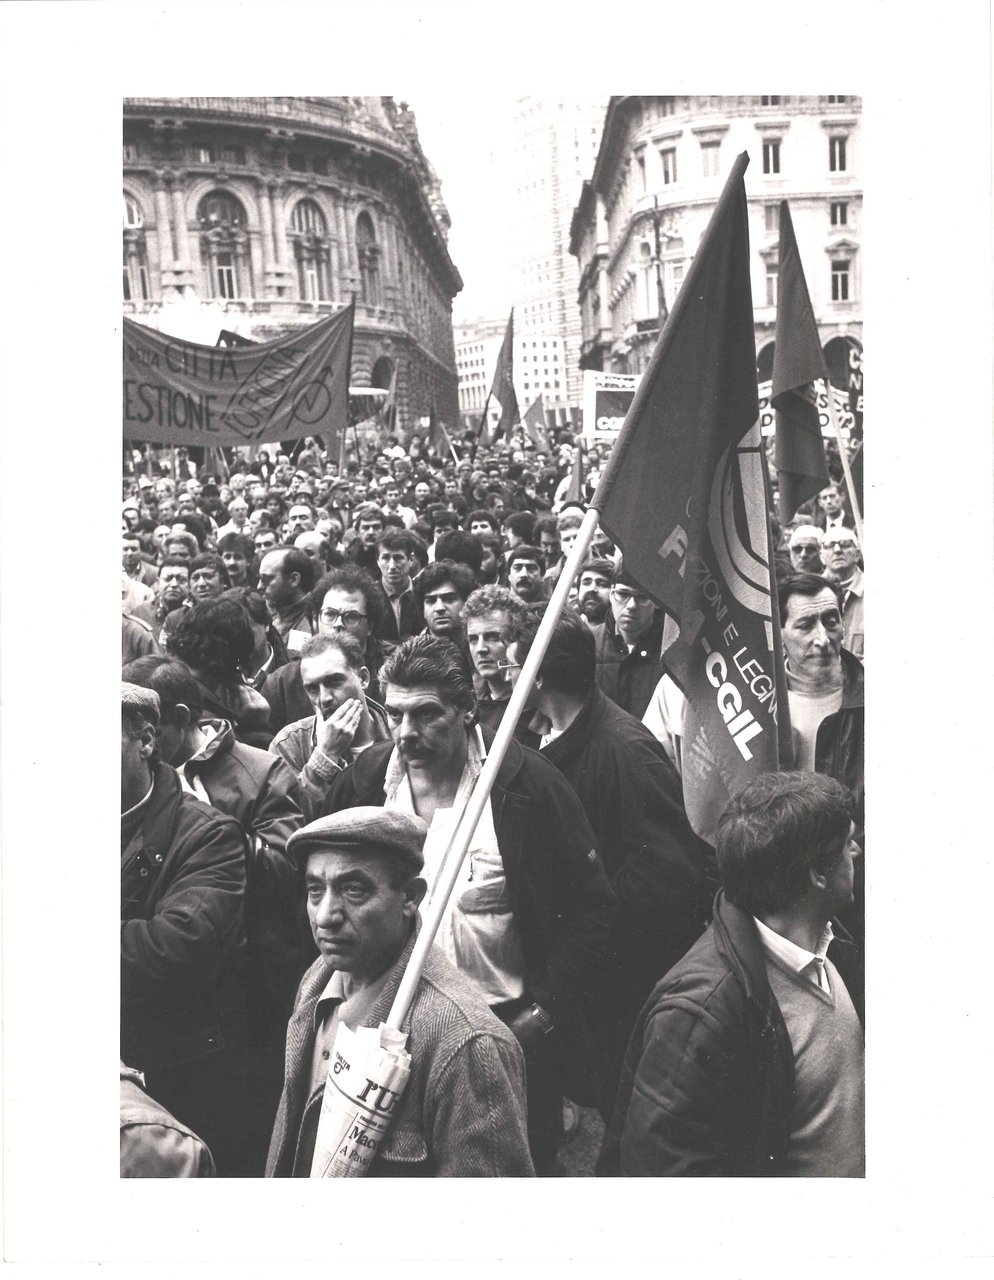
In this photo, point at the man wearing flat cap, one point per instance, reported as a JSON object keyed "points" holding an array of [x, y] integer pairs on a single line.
{"points": [[462, 1113]]}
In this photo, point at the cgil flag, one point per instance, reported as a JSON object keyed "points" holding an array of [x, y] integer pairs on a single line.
{"points": [[798, 361], [683, 496], [502, 387], [183, 393]]}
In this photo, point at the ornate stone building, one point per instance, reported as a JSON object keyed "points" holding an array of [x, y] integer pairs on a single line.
{"points": [[261, 215], [660, 168]]}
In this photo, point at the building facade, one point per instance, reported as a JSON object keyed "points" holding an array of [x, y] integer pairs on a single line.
{"points": [[262, 215], [660, 168], [540, 370], [555, 146]]}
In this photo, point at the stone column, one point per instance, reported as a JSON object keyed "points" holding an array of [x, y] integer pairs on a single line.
{"points": [[167, 256], [258, 281], [266, 218], [279, 226], [179, 222]]}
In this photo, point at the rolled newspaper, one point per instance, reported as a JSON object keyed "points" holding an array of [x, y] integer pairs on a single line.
{"points": [[368, 1071]]}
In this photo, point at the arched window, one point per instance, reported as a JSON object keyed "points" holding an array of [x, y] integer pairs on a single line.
{"points": [[224, 246], [136, 283], [308, 232], [368, 252]]}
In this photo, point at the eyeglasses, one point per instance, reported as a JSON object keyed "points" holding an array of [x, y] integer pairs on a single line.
{"points": [[835, 544], [349, 617], [623, 596]]}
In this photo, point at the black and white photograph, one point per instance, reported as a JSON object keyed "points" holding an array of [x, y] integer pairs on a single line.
{"points": [[502, 792]]}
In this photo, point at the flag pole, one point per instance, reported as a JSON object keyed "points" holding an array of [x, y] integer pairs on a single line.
{"points": [[844, 458], [456, 853]]}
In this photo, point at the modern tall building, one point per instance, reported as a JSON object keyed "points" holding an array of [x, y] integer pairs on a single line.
{"points": [[555, 146], [539, 370], [261, 215], [660, 167]]}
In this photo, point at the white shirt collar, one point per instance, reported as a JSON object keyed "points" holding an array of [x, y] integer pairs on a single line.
{"points": [[796, 959]]}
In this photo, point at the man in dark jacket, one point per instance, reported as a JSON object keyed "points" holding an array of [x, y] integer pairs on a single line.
{"points": [[825, 693], [182, 933], [748, 1057], [531, 910], [262, 794], [633, 799], [629, 657]]}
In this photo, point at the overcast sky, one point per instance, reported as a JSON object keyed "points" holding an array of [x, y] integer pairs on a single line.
{"points": [[471, 153]]}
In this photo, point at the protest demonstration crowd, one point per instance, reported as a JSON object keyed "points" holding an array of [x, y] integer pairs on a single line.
{"points": [[315, 662], [474, 789]]}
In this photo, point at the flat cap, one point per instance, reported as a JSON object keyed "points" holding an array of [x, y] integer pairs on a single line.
{"points": [[365, 829], [136, 698]]}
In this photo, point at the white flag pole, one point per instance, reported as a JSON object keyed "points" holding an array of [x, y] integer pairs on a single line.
{"points": [[459, 845], [843, 455]]}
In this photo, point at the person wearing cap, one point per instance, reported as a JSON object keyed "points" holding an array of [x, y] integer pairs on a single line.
{"points": [[182, 937], [532, 908], [462, 1112]]}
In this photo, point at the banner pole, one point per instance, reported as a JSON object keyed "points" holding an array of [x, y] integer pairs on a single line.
{"points": [[844, 458], [459, 845]]}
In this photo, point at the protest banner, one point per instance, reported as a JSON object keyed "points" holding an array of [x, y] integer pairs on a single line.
{"points": [[607, 397], [182, 393]]}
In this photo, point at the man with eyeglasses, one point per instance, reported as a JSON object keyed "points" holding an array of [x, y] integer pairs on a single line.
{"points": [[532, 906], [840, 552], [629, 660], [346, 599]]}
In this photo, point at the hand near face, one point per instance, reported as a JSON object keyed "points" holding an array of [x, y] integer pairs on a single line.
{"points": [[335, 735]]}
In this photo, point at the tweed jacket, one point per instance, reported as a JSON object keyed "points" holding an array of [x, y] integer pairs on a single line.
{"points": [[462, 1113]]}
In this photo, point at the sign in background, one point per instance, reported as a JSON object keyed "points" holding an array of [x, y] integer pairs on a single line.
{"points": [[606, 397], [182, 393], [843, 412]]}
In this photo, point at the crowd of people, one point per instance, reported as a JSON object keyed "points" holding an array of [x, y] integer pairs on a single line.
{"points": [[315, 660]]}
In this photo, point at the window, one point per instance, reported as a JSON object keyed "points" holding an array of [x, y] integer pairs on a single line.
{"points": [[772, 273], [666, 107], [135, 262], [130, 152], [709, 158], [297, 162], [640, 164], [838, 97], [668, 158], [840, 213], [837, 155], [369, 254], [224, 246], [772, 219], [770, 100], [840, 280], [132, 212], [771, 157], [308, 232], [226, 276]]}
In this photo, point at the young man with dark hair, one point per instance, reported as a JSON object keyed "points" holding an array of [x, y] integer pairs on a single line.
{"points": [[747, 1059], [397, 564], [442, 590], [532, 906]]}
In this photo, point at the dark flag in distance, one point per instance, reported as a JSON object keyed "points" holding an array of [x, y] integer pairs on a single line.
{"points": [[502, 387], [683, 496], [534, 425], [797, 361], [438, 437]]}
